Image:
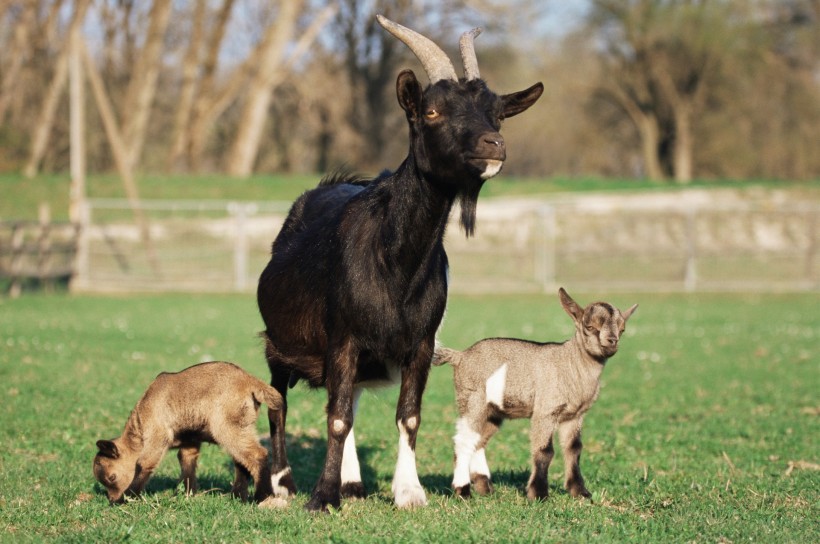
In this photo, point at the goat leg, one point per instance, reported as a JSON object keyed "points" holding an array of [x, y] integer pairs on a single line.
{"points": [[407, 489], [239, 488], [341, 376], [281, 477], [188, 455], [571, 445], [352, 486], [542, 451]]}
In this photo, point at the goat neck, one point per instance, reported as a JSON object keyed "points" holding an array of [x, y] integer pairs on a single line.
{"points": [[417, 214]]}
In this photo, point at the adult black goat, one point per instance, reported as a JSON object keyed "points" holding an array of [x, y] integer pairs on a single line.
{"points": [[356, 286]]}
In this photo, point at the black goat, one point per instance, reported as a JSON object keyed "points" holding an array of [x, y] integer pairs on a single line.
{"points": [[357, 282]]}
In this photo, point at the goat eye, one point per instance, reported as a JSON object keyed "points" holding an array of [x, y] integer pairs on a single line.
{"points": [[432, 113], [112, 478], [590, 328]]}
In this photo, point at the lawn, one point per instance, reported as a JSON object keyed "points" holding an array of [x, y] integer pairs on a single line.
{"points": [[706, 428]]}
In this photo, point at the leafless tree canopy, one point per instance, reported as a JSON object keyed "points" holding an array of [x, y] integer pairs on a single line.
{"points": [[663, 89]]}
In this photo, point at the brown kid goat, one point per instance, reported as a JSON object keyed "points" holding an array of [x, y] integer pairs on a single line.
{"points": [[553, 384], [212, 402]]}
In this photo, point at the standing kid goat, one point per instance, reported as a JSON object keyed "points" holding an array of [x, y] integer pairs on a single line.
{"points": [[553, 384], [356, 286]]}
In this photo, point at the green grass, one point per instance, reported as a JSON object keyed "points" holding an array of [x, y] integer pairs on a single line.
{"points": [[53, 189], [709, 402]]}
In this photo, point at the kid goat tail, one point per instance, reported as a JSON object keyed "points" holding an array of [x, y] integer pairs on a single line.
{"points": [[444, 355], [269, 396]]}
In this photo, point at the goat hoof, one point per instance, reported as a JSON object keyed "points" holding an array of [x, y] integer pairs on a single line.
{"points": [[353, 490], [272, 503], [482, 484], [410, 497], [283, 485], [580, 493], [318, 504], [462, 491], [536, 494]]}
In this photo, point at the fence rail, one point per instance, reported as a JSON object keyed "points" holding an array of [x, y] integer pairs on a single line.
{"points": [[520, 246], [36, 251]]}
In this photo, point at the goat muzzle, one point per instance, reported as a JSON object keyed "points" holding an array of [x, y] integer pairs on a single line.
{"points": [[490, 146]]}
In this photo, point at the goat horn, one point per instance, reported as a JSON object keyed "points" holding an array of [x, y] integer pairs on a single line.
{"points": [[468, 58], [433, 59]]}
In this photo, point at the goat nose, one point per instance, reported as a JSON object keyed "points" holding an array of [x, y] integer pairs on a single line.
{"points": [[494, 139]]}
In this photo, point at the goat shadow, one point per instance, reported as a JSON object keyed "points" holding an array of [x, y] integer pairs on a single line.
{"points": [[307, 456], [441, 484]]}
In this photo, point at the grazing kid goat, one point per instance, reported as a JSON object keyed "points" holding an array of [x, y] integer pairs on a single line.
{"points": [[215, 402], [357, 282]]}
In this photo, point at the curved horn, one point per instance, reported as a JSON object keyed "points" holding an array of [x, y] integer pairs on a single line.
{"points": [[468, 58], [433, 59]]}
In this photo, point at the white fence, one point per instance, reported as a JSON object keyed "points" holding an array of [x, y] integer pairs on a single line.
{"points": [[657, 243]]}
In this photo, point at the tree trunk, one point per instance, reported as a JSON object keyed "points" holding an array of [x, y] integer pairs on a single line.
{"points": [[42, 130], [119, 150], [142, 87], [650, 140], [254, 113], [683, 142], [193, 140], [646, 123], [190, 67], [16, 54]]}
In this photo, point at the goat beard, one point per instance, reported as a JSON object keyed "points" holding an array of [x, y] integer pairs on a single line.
{"points": [[468, 201]]}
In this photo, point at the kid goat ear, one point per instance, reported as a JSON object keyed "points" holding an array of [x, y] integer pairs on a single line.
{"points": [[108, 449]]}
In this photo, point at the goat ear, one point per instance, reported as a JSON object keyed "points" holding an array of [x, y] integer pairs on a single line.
{"points": [[629, 312], [409, 93], [570, 306], [108, 449], [515, 103]]}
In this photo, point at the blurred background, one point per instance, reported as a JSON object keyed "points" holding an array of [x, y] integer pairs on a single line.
{"points": [[176, 109], [662, 89]]}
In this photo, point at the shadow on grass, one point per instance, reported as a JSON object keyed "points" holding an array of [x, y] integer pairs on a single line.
{"points": [[440, 484], [306, 455]]}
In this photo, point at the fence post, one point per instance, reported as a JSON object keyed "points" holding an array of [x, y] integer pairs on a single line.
{"points": [[17, 242], [690, 278], [44, 256], [811, 250], [79, 279], [241, 253], [545, 256]]}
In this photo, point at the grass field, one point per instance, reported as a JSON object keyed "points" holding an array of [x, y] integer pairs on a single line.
{"points": [[706, 429]]}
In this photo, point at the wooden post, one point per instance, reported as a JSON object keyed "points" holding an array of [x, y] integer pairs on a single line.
{"points": [[545, 256], [18, 234], [811, 250], [76, 194], [44, 256], [690, 279]]}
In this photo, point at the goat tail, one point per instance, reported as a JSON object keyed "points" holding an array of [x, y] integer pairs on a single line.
{"points": [[444, 355], [266, 394]]}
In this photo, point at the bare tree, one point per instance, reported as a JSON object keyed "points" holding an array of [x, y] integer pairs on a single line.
{"points": [[45, 122], [15, 52], [188, 86], [270, 71], [136, 107], [660, 59], [210, 99]]}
